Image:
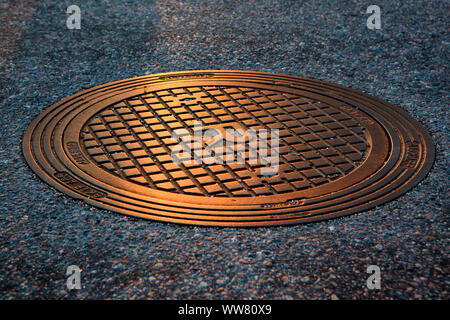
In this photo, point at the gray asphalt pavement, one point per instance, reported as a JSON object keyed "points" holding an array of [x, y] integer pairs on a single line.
{"points": [[43, 231]]}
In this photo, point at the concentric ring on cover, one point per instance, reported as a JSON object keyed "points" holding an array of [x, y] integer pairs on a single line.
{"points": [[338, 151]]}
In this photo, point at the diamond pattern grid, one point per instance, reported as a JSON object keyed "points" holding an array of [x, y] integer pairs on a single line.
{"points": [[132, 139]]}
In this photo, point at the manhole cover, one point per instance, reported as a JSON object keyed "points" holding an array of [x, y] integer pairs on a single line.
{"points": [[228, 148]]}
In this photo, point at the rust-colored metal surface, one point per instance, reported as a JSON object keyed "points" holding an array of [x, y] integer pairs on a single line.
{"points": [[228, 148]]}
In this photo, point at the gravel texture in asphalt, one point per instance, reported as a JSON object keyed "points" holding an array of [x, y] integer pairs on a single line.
{"points": [[44, 231]]}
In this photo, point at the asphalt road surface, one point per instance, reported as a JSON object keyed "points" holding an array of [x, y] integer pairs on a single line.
{"points": [[44, 231]]}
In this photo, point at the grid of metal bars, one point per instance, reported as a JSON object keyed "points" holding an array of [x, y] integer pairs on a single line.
{"points": [[132, 139]]}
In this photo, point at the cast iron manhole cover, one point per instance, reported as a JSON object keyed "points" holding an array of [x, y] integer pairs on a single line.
{"points": [[228, 148]]}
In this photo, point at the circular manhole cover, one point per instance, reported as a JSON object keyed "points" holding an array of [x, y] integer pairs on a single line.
{"points": [[228, 148]]}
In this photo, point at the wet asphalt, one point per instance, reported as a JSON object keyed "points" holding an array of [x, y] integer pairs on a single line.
{"points": [[44, 231]]}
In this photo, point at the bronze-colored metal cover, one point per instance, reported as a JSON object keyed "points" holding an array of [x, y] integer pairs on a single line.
{"points": [[159, 147]]}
